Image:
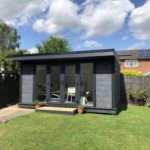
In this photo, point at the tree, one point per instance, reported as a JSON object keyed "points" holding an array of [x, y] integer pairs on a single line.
{"points": [[54, 45], [7, 65], [9, 38]]}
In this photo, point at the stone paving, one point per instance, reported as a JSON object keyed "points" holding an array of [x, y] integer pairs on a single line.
{"points": [[11, 112]]}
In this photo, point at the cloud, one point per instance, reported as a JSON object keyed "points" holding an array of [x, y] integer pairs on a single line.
{"points": [[92, 43], [61, 15], [139, 22], [91, 17], [103, 17], [33, 50], [138, 45], [19, 13]]}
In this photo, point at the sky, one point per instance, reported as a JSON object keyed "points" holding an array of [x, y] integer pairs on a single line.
{"points": [[87, 24]]}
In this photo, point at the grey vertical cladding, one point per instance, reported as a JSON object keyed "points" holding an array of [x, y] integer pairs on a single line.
{"points": [[48, 83], [104, 85], [27, 84], [62, 83], [116, 85], [118, 82]]}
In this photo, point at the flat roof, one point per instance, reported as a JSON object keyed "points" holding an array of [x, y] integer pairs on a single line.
{"points": [[67, 55]]}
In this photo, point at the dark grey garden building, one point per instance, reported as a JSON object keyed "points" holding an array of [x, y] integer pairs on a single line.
{"points": [[66, 79]]}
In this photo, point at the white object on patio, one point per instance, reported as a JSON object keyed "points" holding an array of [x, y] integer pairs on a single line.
{"points": [[70, 92]]}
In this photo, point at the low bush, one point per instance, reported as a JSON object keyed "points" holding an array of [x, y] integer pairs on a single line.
{"points": [[132, 73], [148, 104], [137, 96]]}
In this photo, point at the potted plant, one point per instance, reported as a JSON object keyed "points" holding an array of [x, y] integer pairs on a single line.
{"points": [[80, 109], [37, 103], [132, 95], [148, 104], [141, 96]]}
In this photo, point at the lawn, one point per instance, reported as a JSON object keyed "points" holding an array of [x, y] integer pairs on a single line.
{"points": [[42, 131]]}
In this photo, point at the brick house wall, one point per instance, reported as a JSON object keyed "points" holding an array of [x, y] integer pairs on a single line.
{"points": [[143, 66]]}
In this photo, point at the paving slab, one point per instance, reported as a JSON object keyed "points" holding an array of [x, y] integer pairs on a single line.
{"points": [[14, 111]]}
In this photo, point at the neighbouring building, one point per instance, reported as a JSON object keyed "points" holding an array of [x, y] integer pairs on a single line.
{"points": [[137, 59]]}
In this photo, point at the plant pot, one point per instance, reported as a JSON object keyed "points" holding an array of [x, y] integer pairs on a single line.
{"points": [[141, 102], [80, 110], [37, 106]]}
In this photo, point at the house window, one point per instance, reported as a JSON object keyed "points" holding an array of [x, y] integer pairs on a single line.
{"points": [[131, 63]]}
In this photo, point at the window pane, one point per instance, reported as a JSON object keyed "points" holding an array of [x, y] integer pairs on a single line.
{"points": [[131, 63]]}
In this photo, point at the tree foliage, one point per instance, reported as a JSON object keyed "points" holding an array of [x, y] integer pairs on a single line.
{"points": [[54, 45], [9, 66], [9, 38]]}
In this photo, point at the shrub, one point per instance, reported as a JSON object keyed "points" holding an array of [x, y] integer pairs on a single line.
{"points": [[37, 102], [132, 73], [137, 94], [148, 104]]}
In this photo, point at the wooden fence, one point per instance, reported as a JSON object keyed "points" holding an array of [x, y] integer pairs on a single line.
{"points": [[133, 82], [9, 89]]}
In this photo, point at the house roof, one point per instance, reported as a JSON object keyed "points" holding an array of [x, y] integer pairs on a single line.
{"points": [[133, 54], [67, 55]]}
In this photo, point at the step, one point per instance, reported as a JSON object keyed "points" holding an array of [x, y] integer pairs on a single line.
{"points": [[58, 110]]}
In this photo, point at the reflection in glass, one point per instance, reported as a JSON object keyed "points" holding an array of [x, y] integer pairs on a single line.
{"points": [[86, 84], [70, 89], [40, 87], [55, 84]]}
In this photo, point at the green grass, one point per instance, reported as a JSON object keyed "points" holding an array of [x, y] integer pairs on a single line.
{"points": [[130, 130]]}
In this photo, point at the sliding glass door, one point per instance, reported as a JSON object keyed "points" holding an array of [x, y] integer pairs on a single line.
{"points": [[55, 84], [40, 84], [70, 84], [86, 84], [65, 84], [62, 85]]}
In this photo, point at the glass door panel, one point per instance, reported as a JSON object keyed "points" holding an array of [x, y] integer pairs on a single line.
{"points": [[40, 84], [55, 84], [70, 86], [86, 84]]}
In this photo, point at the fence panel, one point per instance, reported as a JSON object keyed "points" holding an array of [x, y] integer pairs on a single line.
{"points": [[134, 82], [9, 90]]}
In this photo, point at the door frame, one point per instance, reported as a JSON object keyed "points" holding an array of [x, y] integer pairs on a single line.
{"points": [[62, 83], [76, 83], [48, 84]]}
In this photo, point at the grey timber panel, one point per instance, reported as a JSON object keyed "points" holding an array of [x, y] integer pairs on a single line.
{"points": [[48, 83], [104, 85], [116, 85], [27, 84]]}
